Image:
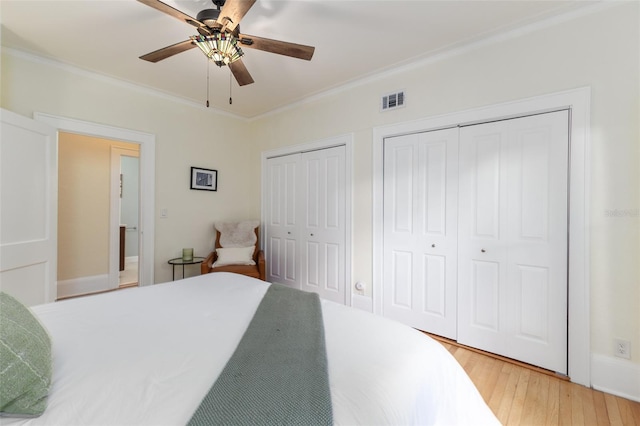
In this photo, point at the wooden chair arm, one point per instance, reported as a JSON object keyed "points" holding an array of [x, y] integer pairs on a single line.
{"points": [[205, 266]]}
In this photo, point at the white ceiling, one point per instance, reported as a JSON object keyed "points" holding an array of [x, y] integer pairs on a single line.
{"points": [[353, 39]]}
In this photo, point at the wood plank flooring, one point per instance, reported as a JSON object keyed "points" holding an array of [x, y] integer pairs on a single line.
{"points": [[520, 395]]}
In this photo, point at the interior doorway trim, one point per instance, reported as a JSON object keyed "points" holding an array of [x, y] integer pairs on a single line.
{"points": [[115, 220], [578, 101], [147, 177]]}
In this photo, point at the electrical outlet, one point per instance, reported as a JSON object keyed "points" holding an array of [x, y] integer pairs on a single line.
{"points": [[622, 348]]}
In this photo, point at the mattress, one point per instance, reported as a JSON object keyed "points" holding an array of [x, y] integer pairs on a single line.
{"points": [[147, 356]]}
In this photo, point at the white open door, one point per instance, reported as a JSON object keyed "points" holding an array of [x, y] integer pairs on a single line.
{"points": [[28, 212]]}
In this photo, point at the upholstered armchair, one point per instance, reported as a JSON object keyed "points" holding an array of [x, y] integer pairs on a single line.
{"points": [[236, 250]]}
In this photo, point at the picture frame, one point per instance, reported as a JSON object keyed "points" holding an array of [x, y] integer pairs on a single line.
{"points": [[204, 179]]}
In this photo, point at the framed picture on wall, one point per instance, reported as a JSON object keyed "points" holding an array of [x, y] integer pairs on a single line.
{"points": [[204, 179]]}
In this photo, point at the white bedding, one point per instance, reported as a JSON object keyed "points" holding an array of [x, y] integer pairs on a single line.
{"points": [[147, 356]]}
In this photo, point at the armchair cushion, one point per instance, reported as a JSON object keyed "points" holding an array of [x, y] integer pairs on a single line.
{"points": [[234, 256]]}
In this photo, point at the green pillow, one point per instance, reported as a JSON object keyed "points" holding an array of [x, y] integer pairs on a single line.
{"points": [[25, 360]]}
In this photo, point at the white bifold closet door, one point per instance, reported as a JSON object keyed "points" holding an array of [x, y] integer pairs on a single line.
{"points": [[306, 222], [281, 244], [512, 238], [420, 209], [475, 235], [323, 227]]}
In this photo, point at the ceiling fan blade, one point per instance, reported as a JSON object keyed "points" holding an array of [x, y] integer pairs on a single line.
{"points": [[294, 50], [165, 8], [233, 11], [168, 51], [240, 72]]}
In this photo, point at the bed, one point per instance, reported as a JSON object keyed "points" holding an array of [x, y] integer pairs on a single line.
{"points": [[147, 356]]}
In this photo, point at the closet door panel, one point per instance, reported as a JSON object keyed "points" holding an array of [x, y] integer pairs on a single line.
{"points": [[332, 255], [312, 262], [485, 161], [420, 230], [403, 282], [513, 214], [485, 295], [435, 293], [481, 253], [537, 236], [401, 286], [435, 189], [282, 257], [323, 228], [399, 189]]}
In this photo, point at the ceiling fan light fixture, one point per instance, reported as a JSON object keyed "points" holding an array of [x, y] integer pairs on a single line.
{"points": [[221, 47]]}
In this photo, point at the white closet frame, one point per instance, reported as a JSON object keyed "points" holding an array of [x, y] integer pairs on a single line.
{"points": [[579, 102]]}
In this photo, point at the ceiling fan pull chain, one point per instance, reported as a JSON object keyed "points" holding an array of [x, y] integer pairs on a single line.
{"points": [[230, 100], [208, 83]]}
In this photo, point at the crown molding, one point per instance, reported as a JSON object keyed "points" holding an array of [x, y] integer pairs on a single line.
{"points": [[32, 57], [487, 39], [457, 49]]}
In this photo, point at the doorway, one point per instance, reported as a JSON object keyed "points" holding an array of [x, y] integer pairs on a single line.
{"points": [[89, 212], [146, 143]]}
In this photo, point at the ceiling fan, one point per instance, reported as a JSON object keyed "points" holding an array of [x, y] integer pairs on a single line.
{"points": [[220, 39]]}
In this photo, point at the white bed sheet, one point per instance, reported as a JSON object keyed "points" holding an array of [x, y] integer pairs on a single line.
{"points": [[147, 356]]}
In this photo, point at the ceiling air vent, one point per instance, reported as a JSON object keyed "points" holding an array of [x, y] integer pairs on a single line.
{"points": [[393, 100]]}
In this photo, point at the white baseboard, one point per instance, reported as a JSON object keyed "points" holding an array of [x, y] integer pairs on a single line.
{"points": [[615, 376], [83, 285], [362, 302]]}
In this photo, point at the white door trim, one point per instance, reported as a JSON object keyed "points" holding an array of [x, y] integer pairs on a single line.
{"points": [[114, 213], [347, 141], [147, 177], [579, 101]]}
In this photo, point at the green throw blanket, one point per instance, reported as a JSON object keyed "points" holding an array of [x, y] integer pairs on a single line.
{"points": [[278, 373]]}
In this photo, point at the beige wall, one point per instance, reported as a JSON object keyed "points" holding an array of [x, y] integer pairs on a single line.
{"points": [[186, 135], [599, 50], [84, 171]]}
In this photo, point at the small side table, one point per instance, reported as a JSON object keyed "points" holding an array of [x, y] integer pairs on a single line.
{"points": [[179, 261]]}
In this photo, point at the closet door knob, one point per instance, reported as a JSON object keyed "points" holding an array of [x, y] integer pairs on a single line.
{"points": [[433, 245], [483, 250], [289, 232], [312, 235]]}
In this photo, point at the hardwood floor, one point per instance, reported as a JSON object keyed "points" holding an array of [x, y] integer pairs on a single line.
{"points": [[519, 395]]}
